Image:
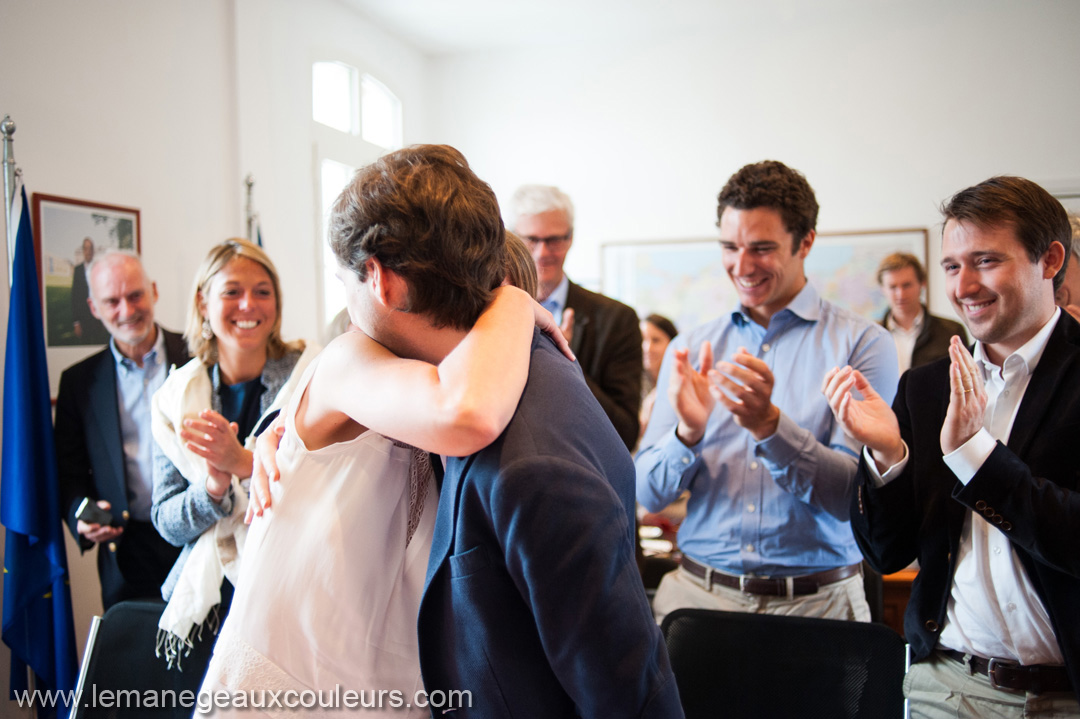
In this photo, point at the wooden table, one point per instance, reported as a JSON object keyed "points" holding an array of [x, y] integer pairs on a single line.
{"points": [[896, 590]]}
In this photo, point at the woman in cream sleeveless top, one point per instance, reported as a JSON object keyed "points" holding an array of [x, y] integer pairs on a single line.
{"points": [[331, 581]]}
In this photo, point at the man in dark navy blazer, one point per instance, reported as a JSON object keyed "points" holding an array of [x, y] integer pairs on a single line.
{"points": [[533, 606], [973, 471], [103, 431]]}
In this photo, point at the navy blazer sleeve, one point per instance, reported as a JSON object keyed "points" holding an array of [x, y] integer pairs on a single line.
{"points": [[611, 663]]}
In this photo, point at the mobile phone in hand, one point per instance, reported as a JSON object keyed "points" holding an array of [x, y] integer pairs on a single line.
{"points": [[91, 513]]}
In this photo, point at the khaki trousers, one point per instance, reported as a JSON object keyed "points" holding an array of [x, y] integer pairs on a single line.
{"points": [[940, 688], [678, 589]]}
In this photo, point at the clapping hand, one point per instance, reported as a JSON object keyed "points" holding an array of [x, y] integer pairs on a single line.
{"points": [[869, 421], [744, 386], [214, 438], [967, 399], [688, 392]]}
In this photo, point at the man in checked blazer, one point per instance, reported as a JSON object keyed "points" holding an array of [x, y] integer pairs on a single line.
{"points": [[102, 434]]}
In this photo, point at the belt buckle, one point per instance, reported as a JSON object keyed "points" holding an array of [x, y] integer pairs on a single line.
{"points": [[708, 578], [742, 584], [991, 671]]}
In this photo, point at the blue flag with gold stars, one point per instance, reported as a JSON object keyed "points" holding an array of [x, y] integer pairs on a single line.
{"points": [[37, 621]]}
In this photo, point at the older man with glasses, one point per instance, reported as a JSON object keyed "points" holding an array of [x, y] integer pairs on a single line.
{"points": [[603, 333]]}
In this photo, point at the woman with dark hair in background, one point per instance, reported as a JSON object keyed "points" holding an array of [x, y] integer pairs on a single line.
{"points": [[657, 332]]}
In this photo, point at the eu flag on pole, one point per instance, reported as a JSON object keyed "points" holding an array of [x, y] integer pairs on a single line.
{"points": [[37, 622]]}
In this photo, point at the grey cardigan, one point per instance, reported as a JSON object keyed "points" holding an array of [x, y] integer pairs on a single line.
{"points": [[181, 511]]}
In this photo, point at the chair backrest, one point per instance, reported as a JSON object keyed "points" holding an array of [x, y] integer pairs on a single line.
{"points": [[119, 657], [737, 665]]}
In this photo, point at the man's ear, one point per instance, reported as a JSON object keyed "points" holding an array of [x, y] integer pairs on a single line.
{"points": [[93, 309], [389, 287], [806, 244], [1053, 260]]}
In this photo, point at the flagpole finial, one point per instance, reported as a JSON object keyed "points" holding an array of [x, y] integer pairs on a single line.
{"points": [[249, 181], [7, 127]]}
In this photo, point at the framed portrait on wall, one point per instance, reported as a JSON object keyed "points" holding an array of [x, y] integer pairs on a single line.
{"points": [[685, 280], [1071, 200], [68, 234]]}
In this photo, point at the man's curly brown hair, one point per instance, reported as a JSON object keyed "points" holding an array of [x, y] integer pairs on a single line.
{"points": [[776, 186]]}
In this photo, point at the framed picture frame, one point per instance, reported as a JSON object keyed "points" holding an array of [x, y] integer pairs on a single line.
{"points": [[67, 234], [685, 280], [1071, 200]]}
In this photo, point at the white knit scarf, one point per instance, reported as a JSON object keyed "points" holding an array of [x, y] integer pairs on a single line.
{"points": [[216, 554]]}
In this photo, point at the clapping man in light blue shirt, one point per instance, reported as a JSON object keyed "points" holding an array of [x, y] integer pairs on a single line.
{"points": [[745, 429]]}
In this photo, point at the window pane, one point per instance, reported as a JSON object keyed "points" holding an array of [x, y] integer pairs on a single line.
{"points": [[381, 114], [334, 95], [334, 176]]}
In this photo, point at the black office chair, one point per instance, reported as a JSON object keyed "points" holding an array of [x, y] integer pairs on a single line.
{"points": [[734, 665], [119, 656]]}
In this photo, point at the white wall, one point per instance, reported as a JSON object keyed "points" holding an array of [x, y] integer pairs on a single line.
{"points": [[127, 103], [277, 40], [166, 106], [887, 107]]}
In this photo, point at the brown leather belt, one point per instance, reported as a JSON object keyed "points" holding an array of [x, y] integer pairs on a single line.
{"points": [[769, 586], [1006, 674]]}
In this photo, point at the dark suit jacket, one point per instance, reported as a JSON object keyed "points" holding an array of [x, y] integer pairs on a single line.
{"points": [[933, 340], [93, 332], [1028, 488], [90, 463], [533, 602], [607, 343]]}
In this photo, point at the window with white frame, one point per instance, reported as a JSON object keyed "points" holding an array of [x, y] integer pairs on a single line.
{"points": [[333, 177], [381, 114], [334, 96], [356, 118]]}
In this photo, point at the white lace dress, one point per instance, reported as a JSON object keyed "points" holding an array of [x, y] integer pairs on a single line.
{"points": [[330, 583]]}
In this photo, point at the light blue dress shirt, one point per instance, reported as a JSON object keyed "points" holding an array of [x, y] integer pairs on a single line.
{"points": [[134, 387], [778, 507], [555, 303]]}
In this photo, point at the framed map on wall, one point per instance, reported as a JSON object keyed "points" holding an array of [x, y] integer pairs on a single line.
{"points": [[685, 280]]}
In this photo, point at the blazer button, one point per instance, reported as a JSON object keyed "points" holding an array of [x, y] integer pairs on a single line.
{"points": [[126, 515], [112, 546], [931, 625], [980, 505], [997, 519], [1006, 526], [988, 512]]}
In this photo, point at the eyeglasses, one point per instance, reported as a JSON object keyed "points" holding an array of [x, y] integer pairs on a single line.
{"points": [[554, 242]]}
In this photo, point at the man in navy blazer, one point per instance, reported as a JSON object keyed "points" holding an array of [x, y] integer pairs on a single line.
{"points": [[102, 431], [973, 471], [533, 606]]}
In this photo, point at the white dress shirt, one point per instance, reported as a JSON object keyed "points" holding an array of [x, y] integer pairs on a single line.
{"points": [[904, 339], [993, 610]]}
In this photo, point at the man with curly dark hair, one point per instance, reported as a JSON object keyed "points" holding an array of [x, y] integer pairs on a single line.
{"points": [[770, 471]]}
